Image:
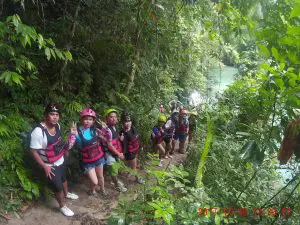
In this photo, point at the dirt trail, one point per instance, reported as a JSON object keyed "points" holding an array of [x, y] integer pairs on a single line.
{"points": [[88, 210]]}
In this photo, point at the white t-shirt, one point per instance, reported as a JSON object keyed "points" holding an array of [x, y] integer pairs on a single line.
{"points": [[168, 124], [39, 143]]}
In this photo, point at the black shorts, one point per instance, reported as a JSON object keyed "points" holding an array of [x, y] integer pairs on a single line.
{"points": [[130, 155], [56, 184], [167, 139]]}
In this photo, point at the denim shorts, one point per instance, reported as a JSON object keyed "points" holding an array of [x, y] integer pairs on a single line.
{"points": [[88, 166]]}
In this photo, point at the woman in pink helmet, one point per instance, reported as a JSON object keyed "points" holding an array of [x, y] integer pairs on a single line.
{"points": [[87, 139]]}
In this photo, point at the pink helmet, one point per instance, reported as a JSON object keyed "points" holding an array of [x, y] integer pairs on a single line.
{"points": [[88, 112]]}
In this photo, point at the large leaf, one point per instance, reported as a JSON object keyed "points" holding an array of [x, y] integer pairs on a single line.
{"points": [[264, 50], [295, 11], [251, 152]]}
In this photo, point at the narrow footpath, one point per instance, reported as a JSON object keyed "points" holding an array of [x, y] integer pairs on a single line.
{"points": [[88, 210]]}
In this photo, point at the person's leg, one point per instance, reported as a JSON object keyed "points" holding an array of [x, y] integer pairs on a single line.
{"points": [[99, 172], [161, 150], [93, 179], [65, 188], [173, 146], [59, 186], [133, 165], [66, 192], [161, 153], [181, 147], [60, 198], [132, 162], [168, 147], [182, 140]]}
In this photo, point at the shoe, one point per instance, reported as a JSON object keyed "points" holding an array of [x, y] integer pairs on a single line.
{"points": [[121, 188], [120, 183], [66, 211], [170, 157], [72, 196], [166, 157], [160, 163]]}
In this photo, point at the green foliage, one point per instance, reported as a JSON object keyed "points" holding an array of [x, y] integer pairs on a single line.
{"points": [[14, 175], [139, 54], [14, 33], [165, 198]]}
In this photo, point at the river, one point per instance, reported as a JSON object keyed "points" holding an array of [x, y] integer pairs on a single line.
{"points": [[221, 78]]}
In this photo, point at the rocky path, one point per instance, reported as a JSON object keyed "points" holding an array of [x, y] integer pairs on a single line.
{"points": [[88, 210]]}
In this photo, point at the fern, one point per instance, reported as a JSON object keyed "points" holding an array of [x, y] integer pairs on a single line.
{"points": [[208, 141]]}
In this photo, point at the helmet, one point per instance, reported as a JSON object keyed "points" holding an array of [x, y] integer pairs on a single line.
{"points": [[52, 108], [194, 113], [109, 110], [125, 117], [162, 118], [88, 112]]}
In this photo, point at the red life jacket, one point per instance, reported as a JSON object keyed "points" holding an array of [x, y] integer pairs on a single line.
{"points": [[132, 140], [183, 127], [115, 140], [133, 145], [55, 146], [91, 149]]}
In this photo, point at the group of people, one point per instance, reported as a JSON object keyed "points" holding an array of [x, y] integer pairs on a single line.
{"points": [[100, 144], [168, 130]]}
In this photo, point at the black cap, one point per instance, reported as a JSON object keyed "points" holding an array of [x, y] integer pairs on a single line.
{"points": [[52, 108], [125, 116]]}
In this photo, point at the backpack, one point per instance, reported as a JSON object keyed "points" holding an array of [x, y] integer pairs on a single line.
{"points": [[27, 135]]}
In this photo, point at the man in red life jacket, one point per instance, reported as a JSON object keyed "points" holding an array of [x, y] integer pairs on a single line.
{"points": [[113, 147], [48, 151], [181, 131]]}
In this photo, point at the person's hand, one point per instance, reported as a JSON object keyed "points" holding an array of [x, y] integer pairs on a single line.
{"points": [[48, 171], [121, 156], [67, 153], [122, 137], [74, 128], [103, 125]]}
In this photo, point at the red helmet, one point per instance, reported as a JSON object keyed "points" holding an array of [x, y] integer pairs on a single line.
{"points": [[88, 112]]}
